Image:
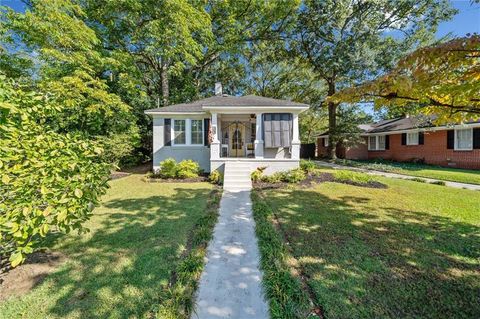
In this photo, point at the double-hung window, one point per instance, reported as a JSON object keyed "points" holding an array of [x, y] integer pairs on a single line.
{"points": [[187, 132], [464, 139], [179, 132], [377, 143], [196, 132], [412, 138]]}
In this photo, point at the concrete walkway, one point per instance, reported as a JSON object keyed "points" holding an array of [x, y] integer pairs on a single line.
{"points": [[401, 176], [230, 286]]}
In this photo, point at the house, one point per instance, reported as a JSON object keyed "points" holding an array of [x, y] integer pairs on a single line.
{"points": [[260, 131], [414, 139]]}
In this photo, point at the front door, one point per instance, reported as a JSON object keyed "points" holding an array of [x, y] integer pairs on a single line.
{"points": [[237, 140]]}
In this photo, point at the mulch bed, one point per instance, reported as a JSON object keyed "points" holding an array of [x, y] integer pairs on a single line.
{"points": [[201, 178], [317, 179]]}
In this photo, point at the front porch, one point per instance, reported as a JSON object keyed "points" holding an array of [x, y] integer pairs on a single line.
{"points": [[240, 137]]}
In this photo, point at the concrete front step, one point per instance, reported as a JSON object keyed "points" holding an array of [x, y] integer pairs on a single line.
{"points": [[237, 176]]}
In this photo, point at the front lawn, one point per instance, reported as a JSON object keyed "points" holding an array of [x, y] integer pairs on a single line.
{"points": [[409, 251], [421, 170], [121, 268]]}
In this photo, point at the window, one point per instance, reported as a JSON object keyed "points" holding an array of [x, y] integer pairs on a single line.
{"points": [[464, 139], [377, 143], [381, 142], [372, 143], [325, 141], [179, 134], [412, 138], [197, 132]]}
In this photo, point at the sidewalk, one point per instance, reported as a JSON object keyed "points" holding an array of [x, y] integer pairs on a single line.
{"points": [[401, 176], [231, 283]]}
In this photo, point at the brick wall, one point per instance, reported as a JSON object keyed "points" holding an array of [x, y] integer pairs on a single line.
{"points": [[357, 152], [433, 151]]}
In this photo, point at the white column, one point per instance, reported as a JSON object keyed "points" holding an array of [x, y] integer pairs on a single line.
{"points": [[295, 138], [258, 144], [215, 146]]}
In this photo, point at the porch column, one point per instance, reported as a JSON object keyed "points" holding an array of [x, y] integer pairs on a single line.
{"points": [[295, 138], [258, 144], [215, 145]]}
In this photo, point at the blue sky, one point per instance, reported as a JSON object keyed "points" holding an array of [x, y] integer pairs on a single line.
{"points": [[466, 21]]}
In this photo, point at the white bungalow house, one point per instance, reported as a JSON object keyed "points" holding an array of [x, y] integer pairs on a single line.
{"points": [[258, 131]]}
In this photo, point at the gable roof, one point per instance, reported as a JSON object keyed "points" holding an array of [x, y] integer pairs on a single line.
{"points": [[401, 124], [225, 101]]}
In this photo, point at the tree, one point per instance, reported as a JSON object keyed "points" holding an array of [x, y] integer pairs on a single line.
{"points": [[347, 42], [67, 61], [443, 79], [50, 181]]}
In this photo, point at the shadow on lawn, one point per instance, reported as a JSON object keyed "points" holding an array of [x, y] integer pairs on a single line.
{"points": [[403, 264], [120, 270]]}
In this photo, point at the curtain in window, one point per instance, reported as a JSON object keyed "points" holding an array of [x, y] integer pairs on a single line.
{"points": [[197, 132], [464, 139]]}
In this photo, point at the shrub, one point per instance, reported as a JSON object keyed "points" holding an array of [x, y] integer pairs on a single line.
{"points": [[307, 166], [274, 178], [168, 168], [216, 177], [294, 176], [350, 176], [419, 180], [49, 181], [187, 169], [257, 174]]}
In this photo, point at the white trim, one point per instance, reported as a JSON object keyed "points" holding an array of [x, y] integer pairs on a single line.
{"points": [[188, 132], [174, 113], [255, 109], [377, 143], [455, 139]]}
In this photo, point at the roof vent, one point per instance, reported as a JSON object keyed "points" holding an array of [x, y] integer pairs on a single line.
{"points": [[218, 89]]}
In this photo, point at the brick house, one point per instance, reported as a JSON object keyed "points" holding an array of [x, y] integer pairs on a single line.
{"points": [[414, 139]]}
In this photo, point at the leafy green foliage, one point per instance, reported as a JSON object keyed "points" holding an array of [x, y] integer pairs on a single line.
{"points": [[50, 181], [188, 169], [257, 174], [169, 168], [294, 176], [215, 177], [308, 166], [442, 79]]}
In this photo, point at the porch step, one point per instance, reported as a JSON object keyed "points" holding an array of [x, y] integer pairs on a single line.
{"points": [[237, 176]]}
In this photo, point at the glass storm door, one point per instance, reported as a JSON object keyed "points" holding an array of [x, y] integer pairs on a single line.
{"points": [[237, 140]]}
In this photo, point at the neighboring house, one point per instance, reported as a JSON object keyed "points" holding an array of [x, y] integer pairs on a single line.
{"points": [[211, 131], [414, 139]]}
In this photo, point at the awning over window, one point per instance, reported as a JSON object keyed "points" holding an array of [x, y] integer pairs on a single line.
{"points": [[277, 129]]}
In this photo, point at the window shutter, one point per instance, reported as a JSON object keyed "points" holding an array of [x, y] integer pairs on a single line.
{"points": [[286, 129], [167, 132], [421, 138], [387, 142], [267, 130], [476, 138], [206, 131], [451, 139], [404, 138]]}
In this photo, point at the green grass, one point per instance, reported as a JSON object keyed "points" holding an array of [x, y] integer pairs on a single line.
{"points": [[121, 268], [409, 251], [350, 176], [421, 170]]}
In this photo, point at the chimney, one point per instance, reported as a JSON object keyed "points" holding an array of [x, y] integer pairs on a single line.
{"points": [[218, 89]]}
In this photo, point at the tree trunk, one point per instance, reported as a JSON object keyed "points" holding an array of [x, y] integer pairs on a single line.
{"points": [[164, 83], [332, 123]]}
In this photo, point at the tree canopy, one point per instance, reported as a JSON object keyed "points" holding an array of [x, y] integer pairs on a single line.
{"points": [[442, 79]]}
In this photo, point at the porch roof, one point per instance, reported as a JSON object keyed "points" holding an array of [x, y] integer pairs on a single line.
{"points": [[226, 101]]}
